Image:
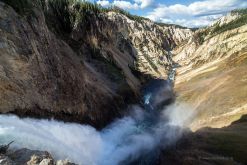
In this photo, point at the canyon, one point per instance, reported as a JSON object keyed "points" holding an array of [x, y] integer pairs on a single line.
{"points": [[91, 69]]}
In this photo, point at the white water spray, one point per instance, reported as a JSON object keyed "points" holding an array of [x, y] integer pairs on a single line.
{"points": [[125, 139]]}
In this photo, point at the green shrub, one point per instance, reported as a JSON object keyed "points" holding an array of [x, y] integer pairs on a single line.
{"points": [[200, 36], [166, 24], [127, 14], [84, 10], [240, 11], [63, 14], [152, 64]]}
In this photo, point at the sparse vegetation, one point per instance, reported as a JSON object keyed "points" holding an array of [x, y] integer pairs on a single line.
{"points": [[166, 24], [200, 36], [67, 12], [62, 15], [240, 21], [130, 16], [240, 11], [152, 64]]}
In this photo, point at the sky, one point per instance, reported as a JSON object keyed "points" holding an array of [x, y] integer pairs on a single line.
{"points": [[188, 13]]}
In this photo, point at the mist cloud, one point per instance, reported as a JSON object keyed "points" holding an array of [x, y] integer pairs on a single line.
{"points": [[125, 139]]}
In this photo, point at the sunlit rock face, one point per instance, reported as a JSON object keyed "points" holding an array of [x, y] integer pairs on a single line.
{"points": [[212, 80], [134, 46], [30, 157], [226, 19], [150, 41], [213, 43], [214, 48], [212, 73]]}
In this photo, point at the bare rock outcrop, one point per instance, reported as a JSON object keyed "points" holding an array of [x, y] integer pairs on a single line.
{"points": [[150, 42], [30, 157]]}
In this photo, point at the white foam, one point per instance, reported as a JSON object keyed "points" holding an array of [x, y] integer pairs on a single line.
{"points": [[83, 144]]}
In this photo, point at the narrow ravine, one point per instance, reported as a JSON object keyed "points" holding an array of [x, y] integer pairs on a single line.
{"points": [[173, 68]]}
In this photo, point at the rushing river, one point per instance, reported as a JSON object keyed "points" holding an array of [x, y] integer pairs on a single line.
{"points": [[136, 137]]}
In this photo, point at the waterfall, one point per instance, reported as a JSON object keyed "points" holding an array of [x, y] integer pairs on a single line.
{"points": [[122, 142]]}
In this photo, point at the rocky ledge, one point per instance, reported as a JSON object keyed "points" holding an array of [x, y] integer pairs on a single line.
{"points": [[30, 157]]}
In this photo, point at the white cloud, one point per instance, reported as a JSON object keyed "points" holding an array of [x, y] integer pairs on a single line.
{"points": [[103, 3], [125, 4], [144, 3], [200, 13], [137, 4], [197, 21]]}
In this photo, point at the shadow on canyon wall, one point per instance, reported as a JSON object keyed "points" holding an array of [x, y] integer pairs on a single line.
{"points": [[214, 146], [48, 75]]}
